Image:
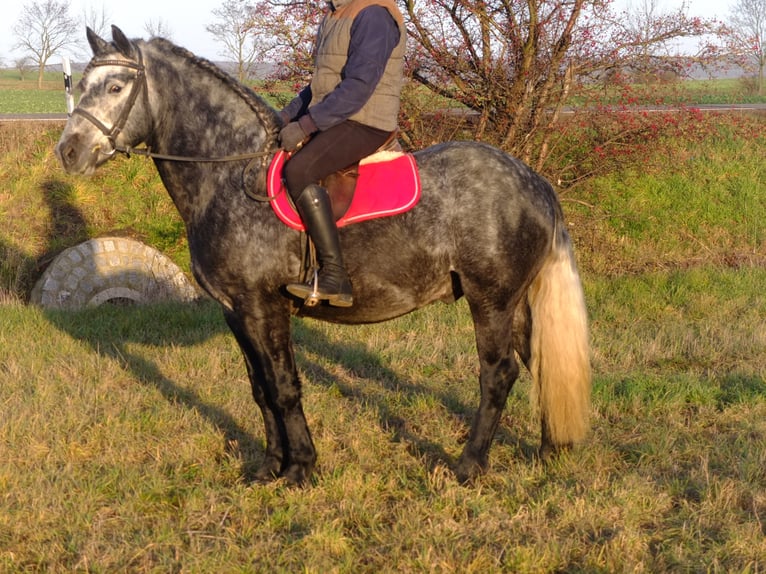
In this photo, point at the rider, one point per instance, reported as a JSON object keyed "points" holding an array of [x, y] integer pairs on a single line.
{"points": [[347, 112]]}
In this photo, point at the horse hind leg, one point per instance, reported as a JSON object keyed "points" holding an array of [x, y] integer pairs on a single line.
{"points": [[498, 370]]}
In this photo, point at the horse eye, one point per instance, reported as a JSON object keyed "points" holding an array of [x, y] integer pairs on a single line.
{"points": [[115, 89]]}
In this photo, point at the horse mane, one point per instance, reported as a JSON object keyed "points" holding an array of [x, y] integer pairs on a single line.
{"points": [[266, 114]]}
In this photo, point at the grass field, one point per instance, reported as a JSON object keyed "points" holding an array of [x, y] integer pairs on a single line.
{"points": [[128, 435]]}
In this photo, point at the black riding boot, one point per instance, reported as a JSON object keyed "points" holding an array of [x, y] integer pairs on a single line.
{"points": [[332, 284]]}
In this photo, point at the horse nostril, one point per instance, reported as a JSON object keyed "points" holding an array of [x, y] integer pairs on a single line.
{"points": [[66, 153]]}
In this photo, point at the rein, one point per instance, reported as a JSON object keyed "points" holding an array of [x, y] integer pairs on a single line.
{"points": [[147, 152], [138, 87]]}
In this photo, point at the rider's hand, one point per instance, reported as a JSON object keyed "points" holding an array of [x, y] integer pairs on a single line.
{"points": [[295, 134], [292, 137]]}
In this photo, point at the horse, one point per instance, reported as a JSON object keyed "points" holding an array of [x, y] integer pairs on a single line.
{"points": [[486, 228]]}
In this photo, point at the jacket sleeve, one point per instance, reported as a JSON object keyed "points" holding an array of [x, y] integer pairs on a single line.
{"points": [[374, 35], [298, 106]]}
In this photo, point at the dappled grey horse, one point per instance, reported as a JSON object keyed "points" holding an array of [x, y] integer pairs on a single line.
{"points": [[487, 228]]}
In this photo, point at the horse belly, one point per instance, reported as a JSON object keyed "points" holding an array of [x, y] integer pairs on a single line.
{"points": [[391, 273]]}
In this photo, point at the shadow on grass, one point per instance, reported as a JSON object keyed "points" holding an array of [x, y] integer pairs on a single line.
{"points": [[177, 324], [355, 357], [20, 269]]}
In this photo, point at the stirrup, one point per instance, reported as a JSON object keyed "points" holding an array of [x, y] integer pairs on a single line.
{"points": [[312, 299], [311, 296]]}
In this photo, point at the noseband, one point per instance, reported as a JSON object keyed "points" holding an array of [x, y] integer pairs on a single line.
{"points": [[138, 86]]}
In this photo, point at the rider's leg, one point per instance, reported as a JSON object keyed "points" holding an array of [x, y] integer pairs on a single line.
{"points": [[326, 153], [333, 284]]}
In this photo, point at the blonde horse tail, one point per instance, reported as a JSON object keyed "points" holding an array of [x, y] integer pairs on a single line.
{"points": [[559, 348]]}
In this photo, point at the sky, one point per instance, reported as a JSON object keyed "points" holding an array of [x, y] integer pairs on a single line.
{"points": [[187, 19]]}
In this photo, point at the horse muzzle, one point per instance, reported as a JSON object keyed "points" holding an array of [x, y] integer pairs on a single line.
{"points": [[78, 156]]}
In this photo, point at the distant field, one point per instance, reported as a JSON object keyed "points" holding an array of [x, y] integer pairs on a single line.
{"points": [[22, 95]]}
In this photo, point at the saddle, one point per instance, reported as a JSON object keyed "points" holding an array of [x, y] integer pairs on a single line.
{"points": [[384, 183], [341, 185]]}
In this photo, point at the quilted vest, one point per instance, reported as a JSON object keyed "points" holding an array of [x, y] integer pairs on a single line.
{"points": [[333, 38]]}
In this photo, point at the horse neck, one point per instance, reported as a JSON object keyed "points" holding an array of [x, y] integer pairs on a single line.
{"points": [[198, 112]]}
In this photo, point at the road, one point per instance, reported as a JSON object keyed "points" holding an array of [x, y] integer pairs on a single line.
{"points": [[702, 107], [33, 117]]}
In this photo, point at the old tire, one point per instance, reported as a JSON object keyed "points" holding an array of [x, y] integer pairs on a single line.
{"points": [[110, 270]]}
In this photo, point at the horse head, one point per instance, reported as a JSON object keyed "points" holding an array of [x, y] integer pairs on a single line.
{"points": [[113, 111]]}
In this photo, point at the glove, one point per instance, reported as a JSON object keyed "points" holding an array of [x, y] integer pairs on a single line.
{"points": [[295, 134], [292, 137]]}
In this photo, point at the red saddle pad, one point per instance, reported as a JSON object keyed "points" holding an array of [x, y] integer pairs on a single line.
{"points": [[388, 184]]}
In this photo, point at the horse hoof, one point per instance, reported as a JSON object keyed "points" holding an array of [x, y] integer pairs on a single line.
{"points": [[468, 470], [548, 452], [296, 475], [265, 475]]}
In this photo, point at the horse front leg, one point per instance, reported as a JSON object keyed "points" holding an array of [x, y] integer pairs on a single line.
{"points": [[267, 348]]}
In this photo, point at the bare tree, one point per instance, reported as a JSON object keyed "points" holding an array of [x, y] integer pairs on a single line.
{"points": [[22, 64], [235, 29], [747, 21], [276, 31], [158, 29], [97, 19], [293, 25], [43, 29], [516, 62]]}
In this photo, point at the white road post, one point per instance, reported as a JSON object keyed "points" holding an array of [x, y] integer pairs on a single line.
{"points": [[68, 86]]}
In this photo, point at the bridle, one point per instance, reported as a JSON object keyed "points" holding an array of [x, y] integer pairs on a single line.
{"points": [[139, 87]]}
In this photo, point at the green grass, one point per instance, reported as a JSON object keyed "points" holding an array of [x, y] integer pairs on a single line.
{"points": [[679, 204], [128, 436], [720, 91], [22, 96], [686, 92], [19, 95], [32, 101]]}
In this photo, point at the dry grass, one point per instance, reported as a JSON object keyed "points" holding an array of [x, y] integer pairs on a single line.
{"points": [[128, 437]]}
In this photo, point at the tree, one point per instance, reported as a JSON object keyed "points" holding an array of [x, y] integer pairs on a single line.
{"points": [[293, 26], [43, 29], [97, 19], [158, 29], [235, 30], [22, 65], [277, 31], [516, 62], [748, 35]]}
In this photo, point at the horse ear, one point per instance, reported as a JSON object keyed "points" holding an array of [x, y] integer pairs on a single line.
{"points": [[97, 44], [124, 45]]}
